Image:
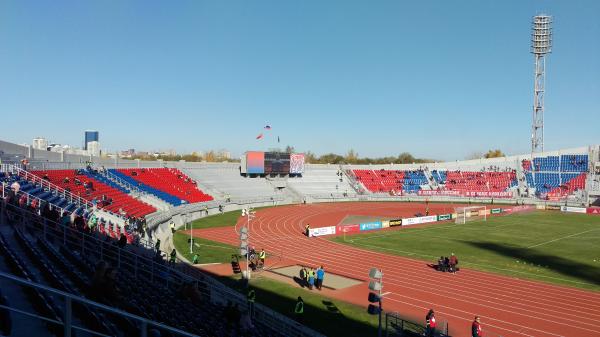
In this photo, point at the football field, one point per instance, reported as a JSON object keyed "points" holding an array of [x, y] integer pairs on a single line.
{"points": [[548, 246]]}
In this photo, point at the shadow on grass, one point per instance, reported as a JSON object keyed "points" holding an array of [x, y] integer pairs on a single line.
{"points": [[558, 264], [323, 316]]}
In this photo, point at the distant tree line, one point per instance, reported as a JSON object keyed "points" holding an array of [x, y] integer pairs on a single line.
{"points": [[210, 156], [352, 157]]}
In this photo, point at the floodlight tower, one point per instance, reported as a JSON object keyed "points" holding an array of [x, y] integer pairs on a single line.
{"points": [[541, 44]]}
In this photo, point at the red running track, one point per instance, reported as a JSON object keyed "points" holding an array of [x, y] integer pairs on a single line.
{"points": [[507, 306]]}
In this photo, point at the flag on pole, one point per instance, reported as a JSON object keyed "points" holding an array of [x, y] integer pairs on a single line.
{"points": [[267, 127], [259, 136]]}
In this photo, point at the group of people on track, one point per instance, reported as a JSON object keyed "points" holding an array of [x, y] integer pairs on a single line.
{"points": [[312, 278], [448, 264]]}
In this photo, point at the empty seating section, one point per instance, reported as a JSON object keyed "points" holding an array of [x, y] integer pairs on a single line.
{"points": [[550, 163], [169, 180], [557, 175], [413, 181], [119, 201], [439, 176], [465, 181], [574, 163], [169, 198], [380, 180]]}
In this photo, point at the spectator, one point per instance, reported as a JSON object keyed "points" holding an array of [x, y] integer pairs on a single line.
{"points": [[299, 309], [320, 276], [476, 328], [122, 241], [173, 256], [195, 259], [446, 263], [15, 187], [430, 324], [157, 245], [251, 299], [172, 226]]}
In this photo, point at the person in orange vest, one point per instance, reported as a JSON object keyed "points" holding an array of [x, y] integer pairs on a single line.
{"points": [[476, 328], [430, 324]]}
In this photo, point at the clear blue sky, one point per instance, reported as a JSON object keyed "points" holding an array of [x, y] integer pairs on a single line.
{"points": [[439, 79]]}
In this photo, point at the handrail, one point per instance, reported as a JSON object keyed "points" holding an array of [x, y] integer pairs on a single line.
{"points": [[29, 197], [32, 177], [70, 297], [128, 254]]}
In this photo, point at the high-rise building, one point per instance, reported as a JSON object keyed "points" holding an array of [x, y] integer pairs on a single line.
{"points": [[40, 143], [90, 136]]}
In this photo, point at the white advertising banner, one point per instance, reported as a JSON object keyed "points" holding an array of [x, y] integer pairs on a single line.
{"points": [[573, 209], [322, 231]]}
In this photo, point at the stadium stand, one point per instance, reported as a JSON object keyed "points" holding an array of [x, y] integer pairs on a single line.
{"points": [[168, 184], [91, 265], [226, 180], [480, 181], [320, 181], [104, 196]]}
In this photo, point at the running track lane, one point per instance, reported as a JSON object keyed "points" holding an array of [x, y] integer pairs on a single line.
{"points": [[507, 306]]}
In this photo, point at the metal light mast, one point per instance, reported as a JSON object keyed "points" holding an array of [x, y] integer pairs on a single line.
{"points": [[541, 44]]}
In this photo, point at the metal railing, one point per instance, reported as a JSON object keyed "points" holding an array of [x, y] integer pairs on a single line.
{"points": [[139, 264], [46, 184], [143, 324], [395, 325]]}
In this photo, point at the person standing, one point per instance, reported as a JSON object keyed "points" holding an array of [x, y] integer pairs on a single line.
{"points": [[476, 328], [430, 324], [453, 262], [251, 299], [262, 255], [311, 279], [299, 309], [320, 276], [172, 226], [303, 277], [307, 230]]}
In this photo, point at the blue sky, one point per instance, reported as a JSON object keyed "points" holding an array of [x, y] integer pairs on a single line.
{"points": [[439, 79]]}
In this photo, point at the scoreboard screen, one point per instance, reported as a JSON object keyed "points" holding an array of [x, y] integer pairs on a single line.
{"points": [[277, 163]]}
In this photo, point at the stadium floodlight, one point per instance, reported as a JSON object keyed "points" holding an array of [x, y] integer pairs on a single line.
{"points": [[541, 44]]}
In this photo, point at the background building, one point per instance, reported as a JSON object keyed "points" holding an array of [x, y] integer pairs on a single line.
{"points": [[90, 136], [40, 143], [93, 148]]}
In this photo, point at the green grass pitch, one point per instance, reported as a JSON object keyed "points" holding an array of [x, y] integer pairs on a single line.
{"points": [[546, 246]]}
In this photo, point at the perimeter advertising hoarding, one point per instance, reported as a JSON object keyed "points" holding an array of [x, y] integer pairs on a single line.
{"points": [[419, 220], [496, 210], [395, 222], [593, 210], [255, 162], [385, 224], [352, 228], [322, 231], [367, 226], [443, 217], [573, 209], [297, 163]]}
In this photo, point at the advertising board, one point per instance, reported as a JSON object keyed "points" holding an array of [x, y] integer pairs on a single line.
{"points": [[322, 231], [367, 226]]}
